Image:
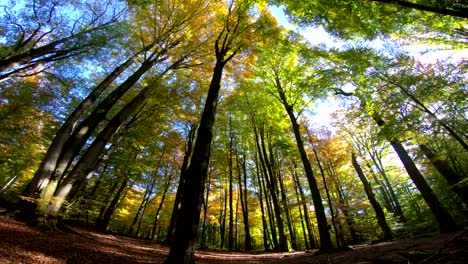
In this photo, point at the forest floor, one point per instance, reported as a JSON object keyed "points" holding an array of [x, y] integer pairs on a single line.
{"points": [[22, 244]]}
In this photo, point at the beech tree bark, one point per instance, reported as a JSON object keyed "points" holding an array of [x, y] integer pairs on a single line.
{"points": [[387, 232], [326, 244], [183, 174], [445, 220], [49, 162], [182, 250], [451, 176], [103, 224]]}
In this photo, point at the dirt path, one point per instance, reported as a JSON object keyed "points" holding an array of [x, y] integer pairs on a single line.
{"points": [[21, 244]]}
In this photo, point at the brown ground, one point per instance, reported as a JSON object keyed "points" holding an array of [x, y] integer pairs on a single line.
{"points": [[21, 244]]}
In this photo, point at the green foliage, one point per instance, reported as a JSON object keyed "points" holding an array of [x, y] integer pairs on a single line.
{"points": [[372, 19]]}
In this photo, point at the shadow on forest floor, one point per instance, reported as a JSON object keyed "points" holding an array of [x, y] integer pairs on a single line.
{"points": [[22, 244]]}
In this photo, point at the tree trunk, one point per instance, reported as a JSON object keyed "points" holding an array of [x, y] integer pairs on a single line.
{"points": [[205, 212], [445, 220], [326, 244], [67, 189], [387, 202], [222, 222], [291, 230], [276, 246], [305, 209], [49, 161], [272, 186], [231, 211], [325, 185], [450, 175], [156, 216], [103, 224], [242, 180], [398, 210], [180, 186], [182, 251], [304, 233], [345, 209], [141, 209], [260, 195], [387, 233], [76, 141]]}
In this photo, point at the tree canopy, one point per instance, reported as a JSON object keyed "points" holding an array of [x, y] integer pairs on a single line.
{"points": [[191, 122]]}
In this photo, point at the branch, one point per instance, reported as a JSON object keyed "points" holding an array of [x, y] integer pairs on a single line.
{"points": [[463, 12]]}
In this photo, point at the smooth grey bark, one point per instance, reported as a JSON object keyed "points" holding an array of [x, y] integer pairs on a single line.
{"points": [[451, 176], [68, 187], [272, 186], [387, 232], [103, 223], [310, 231], [266, 246], [183, 174], [186, 233], [243, 193], [163, 197], [445, 220], [49, 162], [326, 244]]}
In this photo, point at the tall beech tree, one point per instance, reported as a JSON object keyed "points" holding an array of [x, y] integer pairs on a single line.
{"points": [[237, 26], [445, 220], [287, 73], [387, 232]]}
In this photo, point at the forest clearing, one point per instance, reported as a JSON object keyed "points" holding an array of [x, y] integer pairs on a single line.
{"points": [[222, 131]]}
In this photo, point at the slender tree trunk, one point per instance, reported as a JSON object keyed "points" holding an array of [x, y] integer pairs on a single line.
{"points": [[222, 225], [271, 217], [388, 203], [445, 220], [271, 184], [103, 224], [236, 237], [242, 180], [163, 196], [260, 195], [304, 233], [345, 209], [412, 202], [292, 234], [398, 210], [8, 183], [450, 175], [103, 208], [231, 211], [305, 209], [276, 246], [326, 244], [180, 186], [205, 212], [325, 185], [387, 233], [139, 214]]}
